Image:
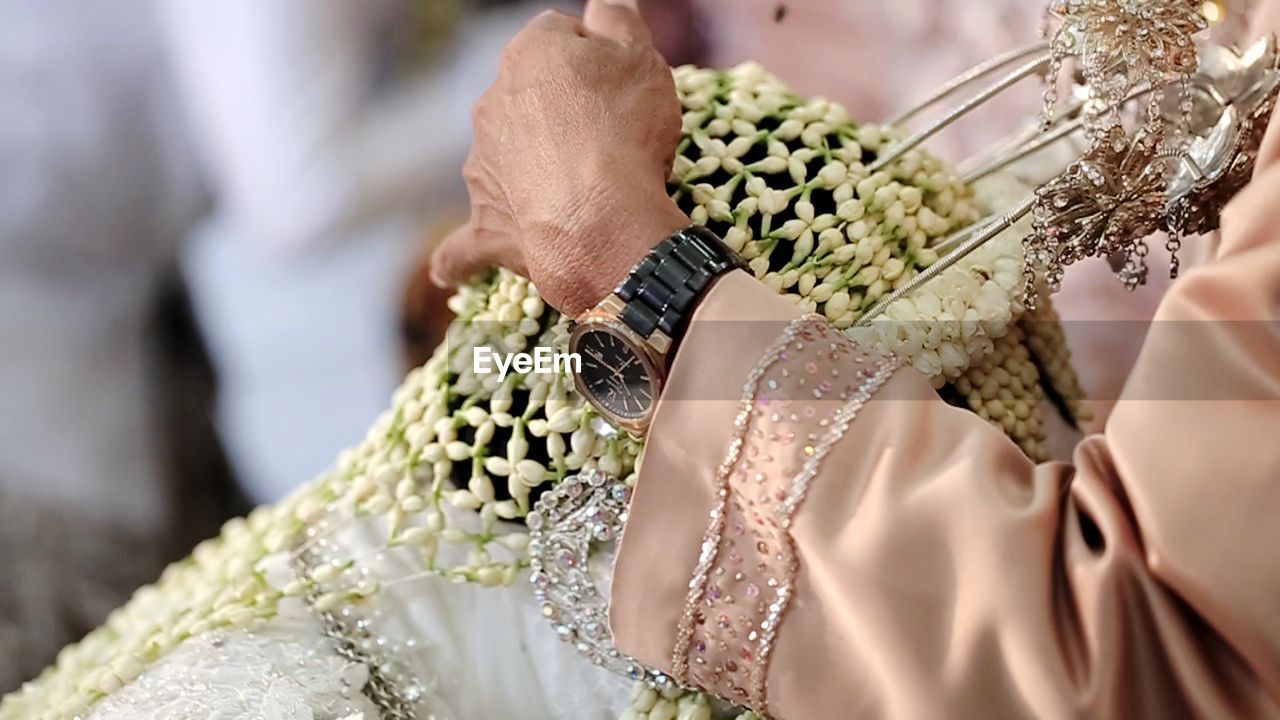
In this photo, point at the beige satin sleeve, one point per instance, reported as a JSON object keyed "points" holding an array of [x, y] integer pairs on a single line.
{"points": [[927, 569]]}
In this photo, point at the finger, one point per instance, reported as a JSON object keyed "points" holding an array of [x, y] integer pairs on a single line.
{"points": [[458, 256], [617, 20]]}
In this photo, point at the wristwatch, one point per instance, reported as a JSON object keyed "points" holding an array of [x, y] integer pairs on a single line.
{"points": [[623, 345]]}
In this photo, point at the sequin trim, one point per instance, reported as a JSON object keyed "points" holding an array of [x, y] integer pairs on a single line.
{"points": [[797, 403]]}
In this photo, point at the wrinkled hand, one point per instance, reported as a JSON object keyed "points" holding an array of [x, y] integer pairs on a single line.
{"points": [[573, 145]]}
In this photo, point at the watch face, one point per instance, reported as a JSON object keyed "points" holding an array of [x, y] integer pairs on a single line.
{"points": [[615, 375]]}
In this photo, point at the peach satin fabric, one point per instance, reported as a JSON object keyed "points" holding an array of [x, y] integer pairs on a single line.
{"points": [[942, 574]]}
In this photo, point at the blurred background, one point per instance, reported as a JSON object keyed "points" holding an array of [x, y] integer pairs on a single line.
{"points": [[213, 223]]}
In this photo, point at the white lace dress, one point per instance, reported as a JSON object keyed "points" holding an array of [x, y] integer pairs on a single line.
{"points": [[458, 651]]}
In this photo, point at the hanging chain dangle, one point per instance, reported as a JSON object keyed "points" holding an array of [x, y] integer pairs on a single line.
{"points": [[1173, 242]]}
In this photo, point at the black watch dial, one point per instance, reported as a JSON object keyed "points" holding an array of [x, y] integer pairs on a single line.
{"points": [[615, 375]]}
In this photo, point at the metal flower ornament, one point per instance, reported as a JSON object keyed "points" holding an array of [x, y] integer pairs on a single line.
{"points": [[1125, 43], [1100, 207]]}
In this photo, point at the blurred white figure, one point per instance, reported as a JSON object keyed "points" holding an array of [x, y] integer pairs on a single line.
{"points": [[323, 174], [98, 185], [317, 170]]}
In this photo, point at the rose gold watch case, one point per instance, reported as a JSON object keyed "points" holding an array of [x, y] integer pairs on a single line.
{"points": [[604, 318]]}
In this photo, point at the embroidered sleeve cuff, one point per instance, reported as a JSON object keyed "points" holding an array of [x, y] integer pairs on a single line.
{"points": [[722, 494], [694, 422]]}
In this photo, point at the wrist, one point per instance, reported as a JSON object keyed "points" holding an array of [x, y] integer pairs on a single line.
{"points": [[619, 232], [644, 229]]}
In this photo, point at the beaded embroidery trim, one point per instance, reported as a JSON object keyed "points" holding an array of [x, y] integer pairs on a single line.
{"points": [[710, 539], [797, 403], [585, 511], [800, 488], [350, 637]]}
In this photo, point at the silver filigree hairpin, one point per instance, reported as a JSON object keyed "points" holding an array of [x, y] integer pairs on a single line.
{"points": [[1171, 168], [582, 514]]}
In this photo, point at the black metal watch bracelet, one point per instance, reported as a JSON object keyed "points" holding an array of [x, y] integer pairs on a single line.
{"points": [[662, 289]]}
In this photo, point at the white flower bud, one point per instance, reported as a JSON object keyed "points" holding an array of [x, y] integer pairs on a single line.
{"points": [[532, 306], [850, 210], [563, 421], [664, 709], [797, 168], [832, 174], [406, 488], [770, 165], [611, 464], [871, 136], [740, 146], [789, 130], [679, 170], [643, 698], [803, 248], [581, 441], [791, 229], [418, 436], [555, 447], [433, 453], [804, 210], [497, 466], [815, 135], [837, 305], [892, 268], [830, 239], [823, 292], [735, 238], [416, 536], [531, 472], [773, 202], [481, 487], [434, 521], [805, 283], [517, 449], [464, 500], [485, 432], [457, 451]]}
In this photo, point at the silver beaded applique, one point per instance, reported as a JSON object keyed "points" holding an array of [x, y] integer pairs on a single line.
{"points": [[353, 640], [583, 512]]}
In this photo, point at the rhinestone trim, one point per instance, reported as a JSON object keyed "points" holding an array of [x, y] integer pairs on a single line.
{"points": [[797, 404], [715, 530], [583, 512]]}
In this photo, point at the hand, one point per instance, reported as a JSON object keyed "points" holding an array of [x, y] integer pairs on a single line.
{"points": [[573, 145]]}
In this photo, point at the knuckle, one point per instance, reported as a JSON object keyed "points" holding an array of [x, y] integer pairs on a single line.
{"points": [[471, 172], [480, 111], [472, 178]]}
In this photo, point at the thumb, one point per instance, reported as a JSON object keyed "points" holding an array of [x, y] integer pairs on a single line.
{"points": [[617, 20], [458, 256]]}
